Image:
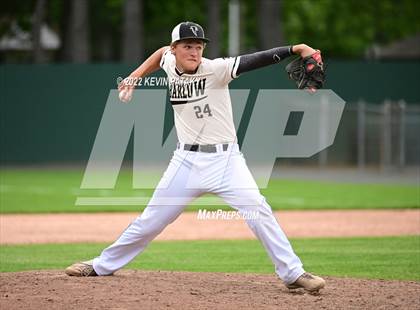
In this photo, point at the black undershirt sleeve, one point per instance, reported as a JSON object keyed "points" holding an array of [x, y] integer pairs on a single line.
{"points": [[261, 59]]}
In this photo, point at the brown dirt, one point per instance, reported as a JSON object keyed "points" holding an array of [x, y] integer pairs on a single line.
{"points": [[186, 290], [130, 289], [105, 227]]}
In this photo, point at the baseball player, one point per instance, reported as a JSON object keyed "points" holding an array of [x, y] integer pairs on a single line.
{"points": [[207, 158]]}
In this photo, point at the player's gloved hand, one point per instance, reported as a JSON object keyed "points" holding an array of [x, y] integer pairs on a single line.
{"points": [[308, 72], [125, 89]]}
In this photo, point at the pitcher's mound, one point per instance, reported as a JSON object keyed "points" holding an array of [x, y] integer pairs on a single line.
{"points": [[131, 289]]}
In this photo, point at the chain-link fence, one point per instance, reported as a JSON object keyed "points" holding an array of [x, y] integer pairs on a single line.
{"points": [[385, 135]]}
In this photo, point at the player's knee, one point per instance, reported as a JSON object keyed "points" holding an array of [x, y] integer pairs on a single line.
{"points": [[143, 228], [249, 198]]}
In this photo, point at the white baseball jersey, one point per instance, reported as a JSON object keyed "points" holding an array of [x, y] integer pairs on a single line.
{"points": [[201, 101]]}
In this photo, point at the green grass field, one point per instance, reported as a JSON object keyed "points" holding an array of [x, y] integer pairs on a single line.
{"points": [[375, 258], [56, 190], [53, 191]]}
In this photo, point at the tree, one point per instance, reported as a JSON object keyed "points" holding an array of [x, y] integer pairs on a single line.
{"points": [[133, 41], [213, 28], [270, 28], [78, 32], [349, 28], [38, 54]]}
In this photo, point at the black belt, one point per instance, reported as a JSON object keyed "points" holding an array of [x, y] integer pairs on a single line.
{"points": [[205, 148]]}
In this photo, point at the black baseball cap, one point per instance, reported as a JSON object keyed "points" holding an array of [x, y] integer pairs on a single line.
{"points": [[188, 30]]}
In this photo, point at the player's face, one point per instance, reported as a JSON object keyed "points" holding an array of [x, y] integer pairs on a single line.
{"points": [[188, 55]]}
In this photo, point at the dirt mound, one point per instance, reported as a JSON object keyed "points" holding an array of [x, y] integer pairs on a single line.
{"points": [[131, 289]]}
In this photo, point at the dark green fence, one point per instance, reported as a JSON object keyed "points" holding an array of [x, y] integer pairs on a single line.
{"points": [[50, 113]]}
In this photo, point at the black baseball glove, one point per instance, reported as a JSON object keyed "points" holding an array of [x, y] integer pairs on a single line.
{"points": [[308, 72]]}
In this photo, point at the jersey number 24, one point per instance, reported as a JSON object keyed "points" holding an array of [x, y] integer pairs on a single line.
{"points": [[200, 113]]}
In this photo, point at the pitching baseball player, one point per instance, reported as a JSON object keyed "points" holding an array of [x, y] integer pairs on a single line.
{"points": [[207, 158]]}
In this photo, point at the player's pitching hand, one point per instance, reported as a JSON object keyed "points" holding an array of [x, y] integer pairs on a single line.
{"points": [[125, 90]]}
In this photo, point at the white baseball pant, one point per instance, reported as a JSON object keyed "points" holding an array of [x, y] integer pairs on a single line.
{"points": [[189, 175]]}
